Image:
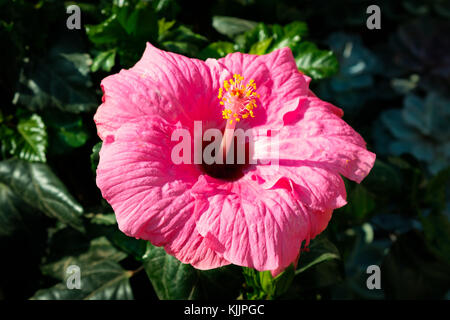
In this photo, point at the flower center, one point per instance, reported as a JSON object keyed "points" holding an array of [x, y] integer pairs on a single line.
{"points": [[227, 171], [238, 100]]}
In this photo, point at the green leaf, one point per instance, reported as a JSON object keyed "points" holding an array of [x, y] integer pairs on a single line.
{"points": [[353, 85], [28, 141], [383, 179], [259, 33], [436, 227], [134, 247], [174, 280], [102, 278], [106, 225], [104, 281], [166, 8], [315, 63], [41, 189], [104, 61], [33, 142], [420, 129], [289, 35], [164, 27], [73, 134], [95, 157], [137, 18], [261, 47], [180, 47], [184, 34], [107, 32], [12, 212], [216, 50], [263, 39], [319, 250], [264, 285], [436, 195], [307, 284], [66, 131], [108, 219], [8, 141], [133, 23], [295, 29], [99, 250], [360, 204], [183, 40], [170, 278], [436, 224], [231, 26], [130, 25], [319, 266], [60, 80]]}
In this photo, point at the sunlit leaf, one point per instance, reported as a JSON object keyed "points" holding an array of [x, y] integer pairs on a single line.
{"points": [[104, 61], [108, 219], [66, 131], [217, 50], [172, 279], [231, 26], [40, 188], [261, 47], [264, 285], [314, 62]]}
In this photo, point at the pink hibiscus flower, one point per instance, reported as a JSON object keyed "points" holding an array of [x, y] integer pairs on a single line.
{"points": [[254, 215]]}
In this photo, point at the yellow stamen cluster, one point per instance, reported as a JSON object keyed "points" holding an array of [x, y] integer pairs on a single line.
{"points": [[238, 99]]}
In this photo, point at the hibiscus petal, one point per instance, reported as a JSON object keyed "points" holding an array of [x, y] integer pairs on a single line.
{"points": [[128, 97], [162, 83], [277, 79], [193, 83], [317, 137], [250, 227], [189, 247], [259, 221], [151, 195], [314, 186]]}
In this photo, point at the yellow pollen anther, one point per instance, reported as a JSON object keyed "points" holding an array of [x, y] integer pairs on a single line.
{"points": [[238, 99]]}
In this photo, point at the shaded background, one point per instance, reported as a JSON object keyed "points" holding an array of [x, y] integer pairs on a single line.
{"points": [[391, 83]]}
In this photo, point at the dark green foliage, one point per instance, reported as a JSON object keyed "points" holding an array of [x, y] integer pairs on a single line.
{"points": [[37, 186], [102, 277], [27, 140], [393, 85], [60, 80], [172, 279], [261, 39]]}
